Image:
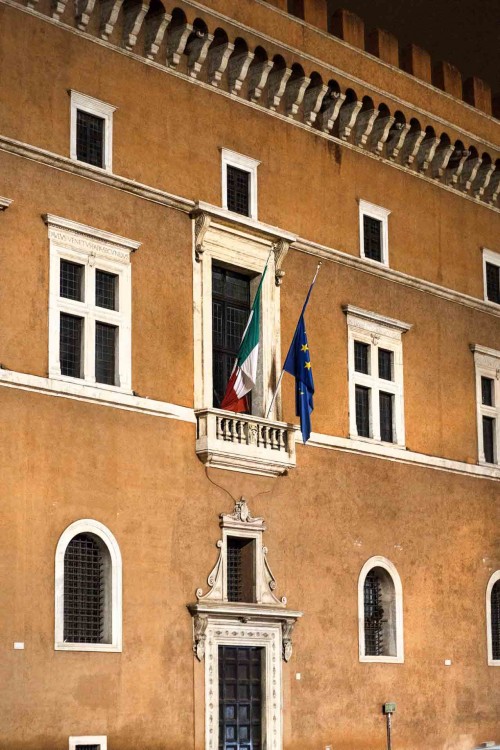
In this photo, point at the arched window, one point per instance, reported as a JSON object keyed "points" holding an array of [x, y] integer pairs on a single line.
{"points": [[88, 589], [493, 619], [380, 605]]}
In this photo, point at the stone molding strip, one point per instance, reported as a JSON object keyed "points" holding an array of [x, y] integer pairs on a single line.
{"points": [[152, 407], [300, 244], [369, 130]]}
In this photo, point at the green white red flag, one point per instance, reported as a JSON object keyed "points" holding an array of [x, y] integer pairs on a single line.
{"points": [[244, 374]]}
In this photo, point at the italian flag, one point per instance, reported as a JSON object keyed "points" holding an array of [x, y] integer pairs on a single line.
{"points": [[244, 374]]}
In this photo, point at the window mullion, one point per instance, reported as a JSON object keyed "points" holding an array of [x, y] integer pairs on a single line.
{"points": [[89, 354]]}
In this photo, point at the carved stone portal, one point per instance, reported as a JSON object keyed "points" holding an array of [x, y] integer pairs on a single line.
{"points": [[265, 606]]}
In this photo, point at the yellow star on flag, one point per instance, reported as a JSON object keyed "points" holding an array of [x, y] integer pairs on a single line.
{"points": [[307, 365], [304, 348]]}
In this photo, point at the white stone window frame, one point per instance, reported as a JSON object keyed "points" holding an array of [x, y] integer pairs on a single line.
{"points": [[95, 107], [229, 632], [244, 247], [487, 365], [114, 611], [94, 249], [489, 640], [377, 331], [94, 739], [247, 164], [382, 215], [493, 258], [381, 562]]}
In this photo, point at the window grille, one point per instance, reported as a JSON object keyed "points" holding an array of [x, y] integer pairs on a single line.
{"points": [[87, 747], [83, 591], [495, 620], [105, 289], [70, 345], [361, 352], [238, 190], [372, 237], [363, 411], [493, 282], [487, 391], [240, 569], [105, 345], [374, 614], [385, 364], [230, 311], [489, 439], [70, 280], [386, 431], [89, 138]]}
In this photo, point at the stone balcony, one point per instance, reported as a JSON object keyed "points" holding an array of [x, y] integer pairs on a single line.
{"points": [[242, 442]]}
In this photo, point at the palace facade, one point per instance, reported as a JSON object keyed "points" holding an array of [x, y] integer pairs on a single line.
{"points": [[175, 576]]}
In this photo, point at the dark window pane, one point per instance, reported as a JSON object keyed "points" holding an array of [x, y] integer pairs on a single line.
{"points": [[361, 354], [88, 747], [385, 364], [493, 282], [487, 391], [89, 138], [374, 613], [495, 620], [71, 280], [372, 235], [83, 591], [386, 432], [296, 8], [70, 345], [240, 569], [230, 310], [105, 346], [105, 289], [238, 190], [363, 411], [489, 439]]}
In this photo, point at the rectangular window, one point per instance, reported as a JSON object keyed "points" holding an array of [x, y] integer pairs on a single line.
{"points": [[374, 232], [91, 131], [386, 432], [89, 138], [230, 311], [375, 362], [487, 362], [239, 183], [240, 697], [89, 305], [372, 236], [493, 282], [489, 439], [70, 345], [363, 411], [88, 743], [240, 569], [361, 360], [238, 190]]}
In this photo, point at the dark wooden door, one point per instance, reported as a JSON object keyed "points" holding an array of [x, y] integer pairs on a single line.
{"points": [[240, 698]]}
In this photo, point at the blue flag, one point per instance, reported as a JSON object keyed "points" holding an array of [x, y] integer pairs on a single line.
{"points": [[298, 364]]}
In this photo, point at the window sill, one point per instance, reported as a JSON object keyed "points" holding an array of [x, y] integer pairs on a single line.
{"points": [[382, 659], [373, 441], [96, 647], [242, 442], [374, 262], [93, 167], [80, 382]]}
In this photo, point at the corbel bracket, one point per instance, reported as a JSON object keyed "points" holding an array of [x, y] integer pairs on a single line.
{"points": [[4, 203], [202, 222], [280, 249]]}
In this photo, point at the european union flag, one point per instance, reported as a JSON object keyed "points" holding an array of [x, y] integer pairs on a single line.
{"points": [[298, 364]]}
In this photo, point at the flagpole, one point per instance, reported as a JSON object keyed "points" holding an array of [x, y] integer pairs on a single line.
{"points": [[320, 263]]}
